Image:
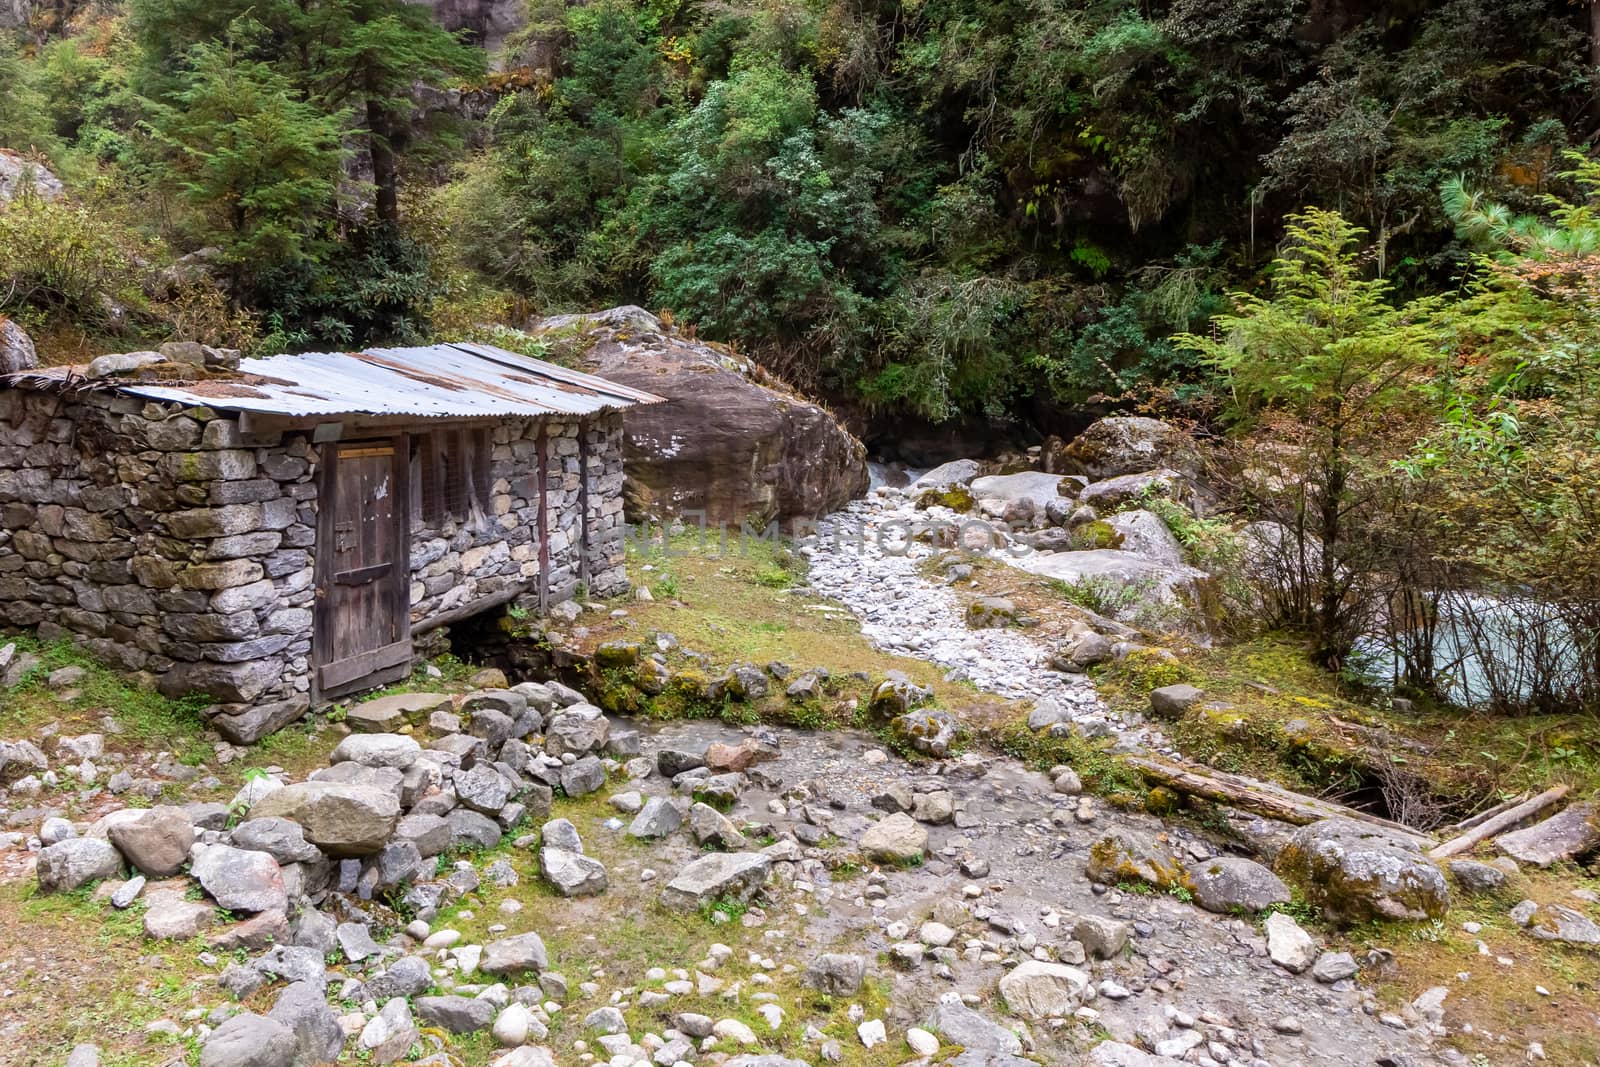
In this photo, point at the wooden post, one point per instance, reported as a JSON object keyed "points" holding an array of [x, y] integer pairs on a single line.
{"points": [[543, 449], [583, 502]]}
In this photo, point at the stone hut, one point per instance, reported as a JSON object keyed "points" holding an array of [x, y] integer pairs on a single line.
{"points": [[276, 533]]}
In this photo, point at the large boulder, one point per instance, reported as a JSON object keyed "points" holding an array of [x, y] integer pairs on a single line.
{"points": [[1229, 884], [1144, 534], [342, 820], [77, 861], [1116, 494], [736, 876], [732, 442], [19, 176], [1128, 444], [1566, 835], [1036, 989], [1355, 871], [157, 842], [1128, 587], [16, 348]]}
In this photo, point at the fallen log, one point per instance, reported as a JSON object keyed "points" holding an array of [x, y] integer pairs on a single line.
{"points": [[1257, 797], [1499, 823], [1485, 815]]}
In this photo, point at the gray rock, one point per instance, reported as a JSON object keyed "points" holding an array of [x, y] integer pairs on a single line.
{"points": [[720, 790], [1144, 534], [405, 977], [387, 714], [560, 833], [1124, 854], [1226, 884], [583, 777], [658, 818], [471, 829], [483, 789], [157, 843], [55, 829], [1334, 967], [377, 750], [572, 873], [128, 892], [391, 1033], [579, 730], [894, 839], [1102, 938], [1478, 878], [606, 1020], [1171, 701], [239, 880], [1036, 989], [734, 876], [710, 827], [671, 762], [837, 974], [17, 352], [303, 1009], [279, 838], [341, 820], [959, 1024], [514, 955], [1565, 835], [458, 1015], [294, 963], [955, 472], [248, 1040], [170, 916], [356, 942], [76, 862], [84, 1056], [429, 833], [1289, 946], [1557, 922]]}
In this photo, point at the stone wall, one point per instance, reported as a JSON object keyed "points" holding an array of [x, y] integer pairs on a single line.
{"points": [[455, 564], [167, 541]]}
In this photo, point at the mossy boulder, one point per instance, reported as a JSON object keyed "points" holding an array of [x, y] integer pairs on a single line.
{"points": [[616, 655], [896, 695], [990, 613], [1096, 534], [1144, 668], [955, 497], [1355, 871], [1128, 855], [931, 731]]}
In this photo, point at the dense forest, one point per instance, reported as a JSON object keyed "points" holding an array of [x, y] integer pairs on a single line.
{"points": [[936, 207]]}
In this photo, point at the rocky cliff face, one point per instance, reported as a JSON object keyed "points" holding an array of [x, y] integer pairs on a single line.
{"points": [[732, 442], [487, 22]]}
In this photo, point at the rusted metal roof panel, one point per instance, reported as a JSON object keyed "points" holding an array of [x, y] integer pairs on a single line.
{"points": [[436, 381]]}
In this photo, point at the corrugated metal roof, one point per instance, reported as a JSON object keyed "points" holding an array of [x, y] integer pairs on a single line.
{"points": [[437, 381]]}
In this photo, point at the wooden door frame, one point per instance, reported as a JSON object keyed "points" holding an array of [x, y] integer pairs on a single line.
{"points": [[392, 658]]}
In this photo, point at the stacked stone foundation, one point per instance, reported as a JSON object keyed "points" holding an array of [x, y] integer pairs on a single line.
{"points": [[171, 541]]}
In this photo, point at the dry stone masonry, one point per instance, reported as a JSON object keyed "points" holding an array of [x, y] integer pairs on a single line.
{"points": [[171, 541]]}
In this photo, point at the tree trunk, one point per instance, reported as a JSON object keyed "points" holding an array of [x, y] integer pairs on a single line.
{"points": [[1330, 650], [1594, 32], [385, 183]]}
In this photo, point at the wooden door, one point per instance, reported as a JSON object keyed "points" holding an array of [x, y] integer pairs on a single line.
{"points": [[362, 635]]}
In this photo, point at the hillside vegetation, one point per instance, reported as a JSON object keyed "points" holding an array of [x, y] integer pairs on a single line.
{"points": [[932, 207]]}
